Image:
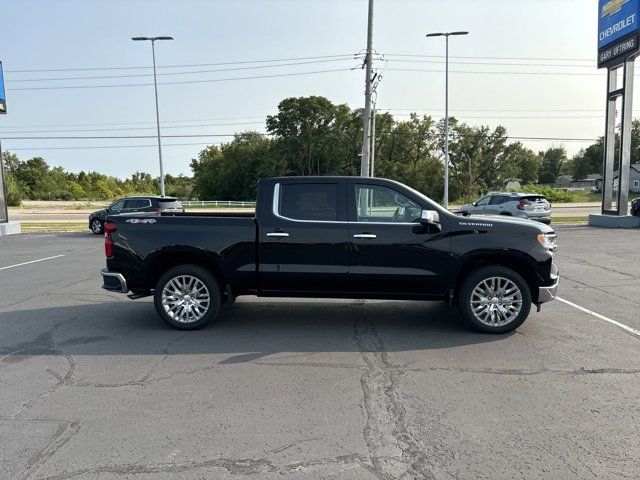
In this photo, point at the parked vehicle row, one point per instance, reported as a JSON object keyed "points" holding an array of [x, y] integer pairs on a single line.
{"points": [[333, 237], [521, 205]]}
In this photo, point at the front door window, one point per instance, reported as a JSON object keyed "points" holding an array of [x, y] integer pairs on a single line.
{"points": [[377, 204]]}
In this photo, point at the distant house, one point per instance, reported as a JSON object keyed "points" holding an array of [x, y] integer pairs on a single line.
{"points": [[567, 181], [563, 181], [634, 178]]}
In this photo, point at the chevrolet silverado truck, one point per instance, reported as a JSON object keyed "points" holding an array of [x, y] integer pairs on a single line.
{"points": [[333, 237]]}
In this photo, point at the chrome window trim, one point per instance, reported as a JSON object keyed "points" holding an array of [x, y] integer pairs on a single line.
{"points": [[276, 213]]}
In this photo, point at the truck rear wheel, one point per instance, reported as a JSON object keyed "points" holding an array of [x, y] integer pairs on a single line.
{"points": [[187, 297], [495, 299]]}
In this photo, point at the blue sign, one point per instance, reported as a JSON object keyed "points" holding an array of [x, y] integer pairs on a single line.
{"points": [[617, 19], [3, 101]]}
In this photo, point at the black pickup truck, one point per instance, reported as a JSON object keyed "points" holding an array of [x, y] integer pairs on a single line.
{"points": [[333, 237]]}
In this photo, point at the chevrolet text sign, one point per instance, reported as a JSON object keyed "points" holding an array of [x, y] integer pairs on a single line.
{"points": [[618, 28]]}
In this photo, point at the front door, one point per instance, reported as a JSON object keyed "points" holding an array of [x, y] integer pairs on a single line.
{"points": [[303, 242], [391, 252]]}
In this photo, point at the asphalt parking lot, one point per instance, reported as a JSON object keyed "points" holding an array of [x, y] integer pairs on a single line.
{"points": [[95, 386]]}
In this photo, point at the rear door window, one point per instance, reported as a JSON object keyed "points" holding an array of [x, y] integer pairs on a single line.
{"points": [[498, 199], [130, 204], [309, 201]]}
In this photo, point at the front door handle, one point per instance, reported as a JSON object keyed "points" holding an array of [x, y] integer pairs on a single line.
{"points": [[365, 236], [278, 234]]}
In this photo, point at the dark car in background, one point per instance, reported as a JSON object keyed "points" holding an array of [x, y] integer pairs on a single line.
{"points": [[133, 205], [521, 205]]}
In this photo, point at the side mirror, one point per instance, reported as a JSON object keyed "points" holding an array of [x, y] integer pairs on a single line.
{"points": [[475, 204], [429, 217]]}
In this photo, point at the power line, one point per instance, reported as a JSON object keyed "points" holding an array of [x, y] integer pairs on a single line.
{"points": [[537, 59], [135, 123], [193, 72], [415, 110], [150, 145], [130, 128], [180, 66], [603, 75], [508, 64], [70, 87], [120, 137]]}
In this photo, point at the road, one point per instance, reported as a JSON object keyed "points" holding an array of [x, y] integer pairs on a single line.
{"points": [[95, 386]]}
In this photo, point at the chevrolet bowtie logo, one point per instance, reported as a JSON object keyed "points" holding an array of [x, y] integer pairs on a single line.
{"points": [[612, 7]]}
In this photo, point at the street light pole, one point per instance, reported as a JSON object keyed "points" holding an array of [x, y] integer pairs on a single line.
{"points": [[446, 110], [155, 86]]}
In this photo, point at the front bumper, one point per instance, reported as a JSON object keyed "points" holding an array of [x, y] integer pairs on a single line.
{"points": [[547, 294], [113, 281]]}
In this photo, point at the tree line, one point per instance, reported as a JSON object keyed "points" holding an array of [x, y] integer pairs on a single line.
{"points": [[34, 179], [313, 136]]}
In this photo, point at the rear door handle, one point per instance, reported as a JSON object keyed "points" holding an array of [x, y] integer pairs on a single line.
{"points": [[278, 234], [365, 236]]}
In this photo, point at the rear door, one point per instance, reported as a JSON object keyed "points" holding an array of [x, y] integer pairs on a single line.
{"points": [[303, 238], [132, 205], [495, 204], [391, 252]]}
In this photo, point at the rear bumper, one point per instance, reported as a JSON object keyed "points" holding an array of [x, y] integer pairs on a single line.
{"points": [[113, 281], [547, 294]]}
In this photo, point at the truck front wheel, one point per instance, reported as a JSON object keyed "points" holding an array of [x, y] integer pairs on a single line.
{"points": [[187, 297], [495, 299]]}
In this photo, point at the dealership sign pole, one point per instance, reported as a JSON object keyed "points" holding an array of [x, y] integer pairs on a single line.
{"points": [[618, 46]]}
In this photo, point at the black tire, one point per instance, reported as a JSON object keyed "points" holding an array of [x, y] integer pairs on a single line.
{"points": [[474, 279], [506, 214], [96, 226], [212, 289]]}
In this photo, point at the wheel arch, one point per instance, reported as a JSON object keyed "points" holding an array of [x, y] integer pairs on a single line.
{"points": [[163, 260], [515, 261]]}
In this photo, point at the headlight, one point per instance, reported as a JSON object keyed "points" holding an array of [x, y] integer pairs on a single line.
{"points": [[548, 241]]}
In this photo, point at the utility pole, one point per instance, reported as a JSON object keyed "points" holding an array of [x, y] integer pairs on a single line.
{"points": [[366, 136]]}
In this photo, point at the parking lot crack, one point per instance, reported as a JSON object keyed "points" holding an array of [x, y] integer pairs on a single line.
{"points": [[64, 433], [394, 451]]}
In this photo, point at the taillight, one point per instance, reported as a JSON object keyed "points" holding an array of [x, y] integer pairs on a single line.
{"points": [[523, 204], [159, 210], [109, 228]]}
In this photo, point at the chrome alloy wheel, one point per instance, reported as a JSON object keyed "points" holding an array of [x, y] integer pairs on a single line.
{"points": [[185, 299], [96, 226], [496, 301]]}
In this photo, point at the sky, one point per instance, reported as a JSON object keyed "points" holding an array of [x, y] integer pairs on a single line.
{"points": [[529, 65]]}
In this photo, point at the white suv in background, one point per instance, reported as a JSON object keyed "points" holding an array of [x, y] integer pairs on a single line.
{"points": [[522, 205]]}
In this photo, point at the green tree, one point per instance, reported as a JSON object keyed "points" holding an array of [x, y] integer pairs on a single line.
{"points": [[481, 159], [527, 163], [551, 163]]}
